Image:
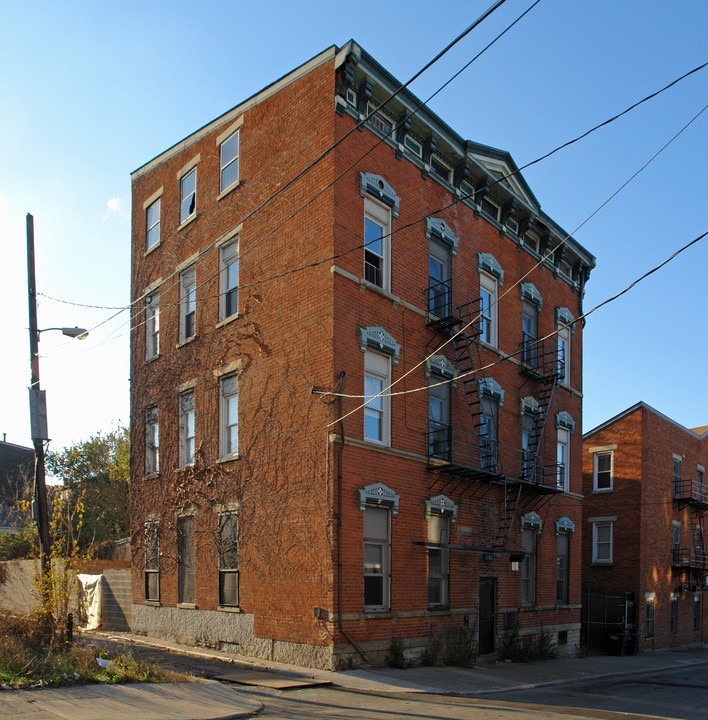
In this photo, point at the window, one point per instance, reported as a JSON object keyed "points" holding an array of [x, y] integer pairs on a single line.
{"points": [[188, 195], [677, 476], [186, 428], [490, 208], [489, 426], [528, 566], [673, 629], [563, 576], [439, 418], [228, 560], [229, 416], [229, 161], [676, 543], [439, 289], [377, 243], [700, 495], [152, 562], [377, 407], [529, 333], [188, 304], [439, 167], [438, 561], [413, 146], [649, 625], [563, 355], [529, 442], [229, 280], [152, 326], [563, 459], [377, 558], [152, 441], [488, 308], [185, 551], [602, 472], [152, 221], [602, 543], [379, 120]]}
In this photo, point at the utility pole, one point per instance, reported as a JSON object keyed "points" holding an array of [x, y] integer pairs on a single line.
{"points": [[38, 411]]}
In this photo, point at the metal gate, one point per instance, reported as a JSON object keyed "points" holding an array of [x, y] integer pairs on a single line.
{"points": [[608, 622]]}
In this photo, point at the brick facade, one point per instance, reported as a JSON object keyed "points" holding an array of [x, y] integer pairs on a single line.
{"points": [[309, 320], [644, 502]]}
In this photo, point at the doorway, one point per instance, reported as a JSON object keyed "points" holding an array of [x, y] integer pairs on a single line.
{"points": [[487, 596]]}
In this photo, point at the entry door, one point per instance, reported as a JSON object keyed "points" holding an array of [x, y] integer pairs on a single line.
{"points": [[487, 595]]}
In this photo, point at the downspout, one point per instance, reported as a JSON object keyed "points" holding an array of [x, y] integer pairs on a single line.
{"points": [[340, 622]]}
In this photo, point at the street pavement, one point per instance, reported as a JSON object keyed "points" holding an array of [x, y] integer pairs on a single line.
{"points": [[212, 700]]}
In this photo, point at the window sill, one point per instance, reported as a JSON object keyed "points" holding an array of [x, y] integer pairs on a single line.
{"points": [[152, 248], [228, 320], [152, 603], [186, 466], [186, 341], [152, 475], [376, 613], [229, 190], [228, 458], [152, 358], [600, 563], [600, 491], [229, 609], [188, 221], [186, 606]]}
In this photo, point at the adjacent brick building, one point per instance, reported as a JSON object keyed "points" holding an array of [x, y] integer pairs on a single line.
{"points": [[356, 382], [644, 525]]}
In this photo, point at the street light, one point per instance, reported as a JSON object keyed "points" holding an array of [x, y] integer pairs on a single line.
{"points": [[38, 404]]}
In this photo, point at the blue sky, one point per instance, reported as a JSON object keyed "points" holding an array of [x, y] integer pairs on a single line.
{"points": [[91, 91]]}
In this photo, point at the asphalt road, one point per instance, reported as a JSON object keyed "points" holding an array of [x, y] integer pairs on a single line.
{"points": [[681, 694]]}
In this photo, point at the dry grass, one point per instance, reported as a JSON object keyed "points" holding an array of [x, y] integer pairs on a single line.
{"points": [[29, 658]]}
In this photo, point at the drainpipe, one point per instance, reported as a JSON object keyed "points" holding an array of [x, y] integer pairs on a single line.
{"points": [[340, 622]]}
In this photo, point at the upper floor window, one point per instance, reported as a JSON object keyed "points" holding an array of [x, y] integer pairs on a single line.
{"points": [[229, 280], [188, 304], [229, 152], [152, 326], [602, 471], [563, 459], [439, 431], [152, 441], [440, 167], [188, 195], [186, 428], [488, 308], [377, 410], [228, 442], [563, 355], [490, 208], [677, 476], [152, 221], [377, 244]]}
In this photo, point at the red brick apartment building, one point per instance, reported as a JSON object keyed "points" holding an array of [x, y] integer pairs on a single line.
{"points": [[356, 382], [644, 525]]}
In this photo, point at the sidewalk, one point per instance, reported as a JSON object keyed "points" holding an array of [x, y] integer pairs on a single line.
{"points": [[211, 700]]}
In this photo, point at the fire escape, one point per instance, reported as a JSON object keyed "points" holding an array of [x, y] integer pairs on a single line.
{"points": [[691, 563], [461, 456]]}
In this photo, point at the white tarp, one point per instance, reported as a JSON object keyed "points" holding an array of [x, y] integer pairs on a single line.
{"points": [[92, 598]]}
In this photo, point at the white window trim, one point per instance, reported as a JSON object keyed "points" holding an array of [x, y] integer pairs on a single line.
{"points": [[381, 215], [595, 525], [224, 427], [595, 457], [490, 284], [223, 275], [187, 281], [564, 335], [150, 246], [379, 366], [563, 438], [223, 190], [152, 440], [385, 560], [186, 459], [152, 326]]}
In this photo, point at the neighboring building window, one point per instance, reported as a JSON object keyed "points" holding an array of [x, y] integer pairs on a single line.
{"points": [[152, 221], [696, 612], [563, 355], [489, 434], [439, 418], [229, 161], [188, 195], [186, 428], [563, 459], [602, 472], [229, 416], [152, 562], [377, 379], [188, 303], [229, 280], [563, 576], [439, 290], [699, 485], [649, 625], [529, 333], [488, 308], [529, 442], [152, 441], [673, 630], [676, 542], [602, 543], [677, 476], [152, 326], [377, 243], [438, 561], [185, 551], [228, 559], [528, 566], [377, 558]]}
